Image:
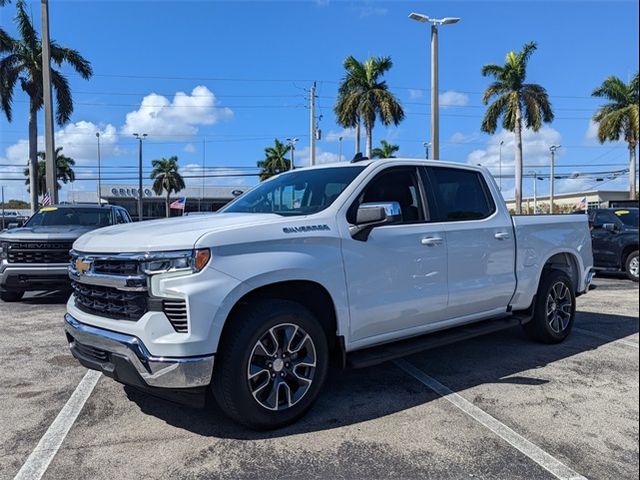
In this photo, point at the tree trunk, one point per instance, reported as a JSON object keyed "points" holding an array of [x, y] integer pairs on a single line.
{"points": [[33, 156], [632, 171], [518, 165], [369, 146], [168, 210], [357, 139]]}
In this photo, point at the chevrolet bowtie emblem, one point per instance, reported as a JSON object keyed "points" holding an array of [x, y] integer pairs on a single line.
{"points": [[82, 266]]}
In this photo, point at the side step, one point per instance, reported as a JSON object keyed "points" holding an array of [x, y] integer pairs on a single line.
{"points": [[382, 353]]}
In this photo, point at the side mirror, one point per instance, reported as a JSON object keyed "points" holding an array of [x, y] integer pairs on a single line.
{"points": [[610, 227], [371, 215]]}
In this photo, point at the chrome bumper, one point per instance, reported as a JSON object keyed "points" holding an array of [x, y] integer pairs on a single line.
{"points": [[96, 349]]}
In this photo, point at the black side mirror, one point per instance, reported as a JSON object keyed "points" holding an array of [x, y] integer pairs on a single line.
{"points": [[371, 215], [610, 227]]}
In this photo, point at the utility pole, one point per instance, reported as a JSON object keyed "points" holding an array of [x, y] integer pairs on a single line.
{"points": [[552, 149], [292, 146], [535, 191], [500, 165], [339, 149], [140, 137], [204, 157], [312, 125], [426, 146], [2, 188], [50, 149], [99, 172]]}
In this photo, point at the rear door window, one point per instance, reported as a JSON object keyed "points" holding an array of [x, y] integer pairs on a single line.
{"points": [[460, 194]]}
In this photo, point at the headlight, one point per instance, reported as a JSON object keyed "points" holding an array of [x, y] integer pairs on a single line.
{"points": [[3, 250], [180, 261]]}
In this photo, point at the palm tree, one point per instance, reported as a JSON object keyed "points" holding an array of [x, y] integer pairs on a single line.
{"points": [[166, 178], [275, 160], [363, 96], [385, 150], [515, 99], [22, 62], [64, 171], [619, 119]]}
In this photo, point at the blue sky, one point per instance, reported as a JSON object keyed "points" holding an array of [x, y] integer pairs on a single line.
{"points": [[245, 69]]}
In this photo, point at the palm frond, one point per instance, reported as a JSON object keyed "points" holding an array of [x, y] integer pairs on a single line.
{"points": [[25, 27], [61, 55], [492, 70], [64, 100], [493, 113]]}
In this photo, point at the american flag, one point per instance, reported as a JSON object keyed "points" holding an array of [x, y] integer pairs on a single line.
{"points": [[46, 199], [582, 204], [179, 204]]}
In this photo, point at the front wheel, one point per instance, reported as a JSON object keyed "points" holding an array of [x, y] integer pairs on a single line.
{"points": [[631, 266], [271, 364], [555, 309]]}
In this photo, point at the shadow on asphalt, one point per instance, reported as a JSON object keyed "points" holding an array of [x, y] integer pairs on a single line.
{"points": [[53, 297], [354, 396]]}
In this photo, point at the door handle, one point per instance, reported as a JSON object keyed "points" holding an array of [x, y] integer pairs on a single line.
{"points": [[502, 235], [430, 241]]}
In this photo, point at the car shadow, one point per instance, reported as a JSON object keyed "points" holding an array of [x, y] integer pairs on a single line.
{"points": [[354, 396], [48, 297]]}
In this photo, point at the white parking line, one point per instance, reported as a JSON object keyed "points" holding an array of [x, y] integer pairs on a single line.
{"points": [[48, 446], [535, 453], [606, 337]]}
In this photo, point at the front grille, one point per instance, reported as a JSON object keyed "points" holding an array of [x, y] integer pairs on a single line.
{"points": [[176, 312], [116, 267], [91, 352], [38, 252], [110, 302]]}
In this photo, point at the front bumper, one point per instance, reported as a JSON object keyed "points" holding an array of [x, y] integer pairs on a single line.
{"points": [[126, 359], [25, 277]]}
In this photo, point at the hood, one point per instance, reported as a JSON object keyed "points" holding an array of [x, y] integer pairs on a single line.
{"points": [[179, 233], [62, 232]]}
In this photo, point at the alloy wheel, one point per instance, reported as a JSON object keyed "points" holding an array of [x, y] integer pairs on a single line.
{"points": [[559, 307]]}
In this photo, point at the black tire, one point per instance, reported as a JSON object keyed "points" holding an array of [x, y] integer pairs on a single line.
{"points": [[555, 308], [243, 398], [631, 266], [11, 295]]}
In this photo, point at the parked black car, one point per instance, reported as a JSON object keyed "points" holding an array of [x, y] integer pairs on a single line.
{"points": [[615, 239], [36, 256]]}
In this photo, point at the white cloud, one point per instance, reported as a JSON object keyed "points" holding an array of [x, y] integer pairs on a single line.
{"points": [[303, 155], [415, 94], [459, 137], [345, 133], [451, 98], [179, 117], [592, 131], [535, 150], [189, 148]]}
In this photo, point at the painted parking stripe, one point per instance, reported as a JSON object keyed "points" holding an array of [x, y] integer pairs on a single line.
{"points": [[535, 453], [48, 446], [606, 337]]}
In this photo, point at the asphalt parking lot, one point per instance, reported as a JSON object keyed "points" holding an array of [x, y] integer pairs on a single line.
{"points": [[493, 407]]}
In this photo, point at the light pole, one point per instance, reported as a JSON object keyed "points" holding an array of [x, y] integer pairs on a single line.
{"points": [[435, 120], [2, 188], [552, 149], [140, 137], [99, 172], [534, 174], [50, 148], [426, 146], [500, 165], [339, 149], [292, 146]]}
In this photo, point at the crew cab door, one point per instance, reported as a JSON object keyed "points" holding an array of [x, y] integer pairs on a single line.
{"points": [[605, 244], [480, 241], [396, 279]]}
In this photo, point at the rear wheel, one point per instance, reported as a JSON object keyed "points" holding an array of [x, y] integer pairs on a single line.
{"points": [[555, 309], [12, 295], [631, 266], [271, 364]]}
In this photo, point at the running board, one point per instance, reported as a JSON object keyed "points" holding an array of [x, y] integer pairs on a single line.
{"points": [[390, 351]]}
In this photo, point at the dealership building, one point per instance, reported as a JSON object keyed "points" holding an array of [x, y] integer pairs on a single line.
{"points": [[570, 201], [198, 199]]}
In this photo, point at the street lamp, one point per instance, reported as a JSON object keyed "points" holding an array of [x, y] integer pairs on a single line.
{"points": [[292, 145], [552, 149], [500, 165], [435, 120], [426, 146], [339, 149], [534, 175], [99, 172], [140, 137]]}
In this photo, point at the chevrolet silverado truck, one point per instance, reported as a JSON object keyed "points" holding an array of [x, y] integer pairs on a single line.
{"points": [[36, 256], [348, 264]]}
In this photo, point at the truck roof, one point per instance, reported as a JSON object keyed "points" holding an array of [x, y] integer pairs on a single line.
{"points": [[367, 162]]}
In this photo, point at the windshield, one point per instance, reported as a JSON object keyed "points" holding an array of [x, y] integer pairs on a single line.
{"points": [[300, 192], [628, 217], [88, 217]]}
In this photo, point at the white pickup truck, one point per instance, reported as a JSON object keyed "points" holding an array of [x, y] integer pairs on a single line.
{"points": [[353, 264]]}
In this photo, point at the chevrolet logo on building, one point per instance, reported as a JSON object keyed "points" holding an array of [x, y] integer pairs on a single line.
{"points": [[82, 266]]}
